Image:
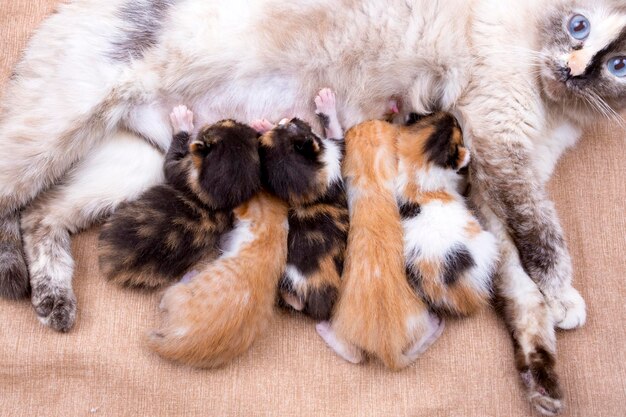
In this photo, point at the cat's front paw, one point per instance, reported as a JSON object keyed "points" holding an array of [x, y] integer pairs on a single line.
{"points": [[182, 119], [568, 309], [55, 307]]}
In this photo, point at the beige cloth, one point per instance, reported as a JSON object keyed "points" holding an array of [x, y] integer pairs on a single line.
{"points": [[102, 368]]}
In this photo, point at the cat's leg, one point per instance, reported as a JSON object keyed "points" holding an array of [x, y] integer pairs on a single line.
{"points": [[116, 171], [532, 330], [326, 110], [502, 170], [341, 347], [528, 318]]}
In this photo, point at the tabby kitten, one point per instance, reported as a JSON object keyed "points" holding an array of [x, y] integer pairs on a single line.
{"points": [[450, 259], [378, 312], [170, 228], [305, 170]]}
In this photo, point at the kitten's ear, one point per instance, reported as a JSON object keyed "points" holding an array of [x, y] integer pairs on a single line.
{"points": [[308, 147], [198, 148], [462, 157]]}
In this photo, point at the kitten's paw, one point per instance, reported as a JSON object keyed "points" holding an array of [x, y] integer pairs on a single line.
{"points": [[568, 309], [435, 327], [14, 282], [325, 102], [262, 126], [314, 300], [344, 349], [55, 307], [182, 119]]}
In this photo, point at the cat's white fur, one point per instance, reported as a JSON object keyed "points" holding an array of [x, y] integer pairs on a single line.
{"points": [[265, 59]]}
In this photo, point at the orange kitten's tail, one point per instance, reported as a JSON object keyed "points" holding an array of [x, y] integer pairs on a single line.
{"points": [[218, 315]]}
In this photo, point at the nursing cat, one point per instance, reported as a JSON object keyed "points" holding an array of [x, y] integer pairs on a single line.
{"points": [[525, 78]]}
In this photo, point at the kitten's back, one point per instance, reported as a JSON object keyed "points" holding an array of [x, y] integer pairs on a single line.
{"points": [[377, 310]]}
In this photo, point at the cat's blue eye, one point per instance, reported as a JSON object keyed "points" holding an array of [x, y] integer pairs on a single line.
{"points": [[579, 27], [617, 66]]}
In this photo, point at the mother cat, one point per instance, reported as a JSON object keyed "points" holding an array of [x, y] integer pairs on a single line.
{"points": [[525, 78]]}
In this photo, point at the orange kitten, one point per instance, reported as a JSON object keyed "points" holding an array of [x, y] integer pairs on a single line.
{"points": [[377, 312], [217, 315]]}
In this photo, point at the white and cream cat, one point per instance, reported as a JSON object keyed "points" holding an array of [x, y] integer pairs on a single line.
{"points": [[525, 78]]}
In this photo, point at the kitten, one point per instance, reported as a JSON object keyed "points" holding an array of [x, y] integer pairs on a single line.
{"points": [[170, 228], [449, 258], [377, 312], [217, 315], [297, 162], [526, 78]]}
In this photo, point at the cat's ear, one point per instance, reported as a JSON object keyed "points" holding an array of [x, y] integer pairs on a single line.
{"points": [[461, 157], [199, 148], [308, 147]]}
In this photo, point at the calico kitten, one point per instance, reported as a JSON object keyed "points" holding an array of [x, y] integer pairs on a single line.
{"points": [[216, 316], [377, 312], [305, 170], [449, 258], [171, 227]]}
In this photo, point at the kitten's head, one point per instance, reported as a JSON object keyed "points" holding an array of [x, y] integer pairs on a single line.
{"points": [[584, 55], [226, 164], [435, 140], [293, 162]]}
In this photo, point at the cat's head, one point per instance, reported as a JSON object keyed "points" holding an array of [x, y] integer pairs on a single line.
{"points": [[584, 55], [226, 164], [295, 162], [434, 140]]}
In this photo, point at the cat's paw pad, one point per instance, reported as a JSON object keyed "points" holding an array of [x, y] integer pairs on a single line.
{"points": [[55, 307], [568, 309], [325, 102], [14, 282], [262, 126], [182, 119]]}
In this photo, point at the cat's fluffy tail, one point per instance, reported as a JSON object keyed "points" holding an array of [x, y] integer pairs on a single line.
{"points": [[217, 316]]}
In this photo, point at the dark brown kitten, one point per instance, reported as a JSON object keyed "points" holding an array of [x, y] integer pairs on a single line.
{"points": [[170, 228], [305, 170]]}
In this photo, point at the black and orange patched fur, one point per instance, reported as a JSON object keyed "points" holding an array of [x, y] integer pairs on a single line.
{"points": [[305, 170], [216, 316], [450, 259], [377, 312], [170, 228]]}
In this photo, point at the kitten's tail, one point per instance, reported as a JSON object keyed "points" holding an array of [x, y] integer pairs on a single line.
{"points": [[217, 316]]}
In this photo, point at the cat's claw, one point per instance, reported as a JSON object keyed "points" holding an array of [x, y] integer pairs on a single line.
{"points": [[182, 119]]}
